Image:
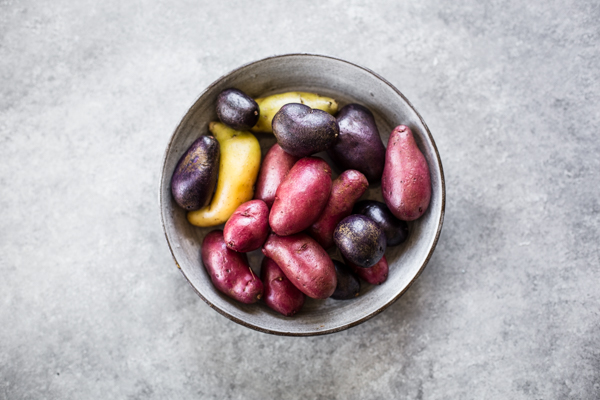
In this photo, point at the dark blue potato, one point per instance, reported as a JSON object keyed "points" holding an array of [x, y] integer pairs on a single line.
{"points": [[396, 231], [348, 284], [237, 110], [195, 175], [360, 240], [302, 131], [358, 145]]}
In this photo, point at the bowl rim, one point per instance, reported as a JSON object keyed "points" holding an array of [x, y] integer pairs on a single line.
{"points": [[350, 324]]}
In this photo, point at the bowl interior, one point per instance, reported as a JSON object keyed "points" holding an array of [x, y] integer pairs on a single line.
{"points": [[347, 83]]}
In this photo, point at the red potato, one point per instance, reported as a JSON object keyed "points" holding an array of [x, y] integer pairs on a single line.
{"points": [[273, 170], [345, 191], [375, 275], [405, 184], [301, 197], [306, 264], [248, 226], [229, 270], [279, 293]]}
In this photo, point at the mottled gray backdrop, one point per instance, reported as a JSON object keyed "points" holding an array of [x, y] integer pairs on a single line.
{"points": [[92, 305]]}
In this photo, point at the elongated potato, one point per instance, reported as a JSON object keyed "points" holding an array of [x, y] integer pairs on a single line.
{"points": [[248, 227], [306, 264], [273, 170], [269, 106], [229, 270], [405, 184], [238, 169], [301, 197], [345, 191], [279, 293]]}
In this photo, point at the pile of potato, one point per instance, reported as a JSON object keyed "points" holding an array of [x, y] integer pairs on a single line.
{"points": [[289, 205]]}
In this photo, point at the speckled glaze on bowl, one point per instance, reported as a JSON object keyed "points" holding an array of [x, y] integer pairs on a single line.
{"points": [[348, 83]]}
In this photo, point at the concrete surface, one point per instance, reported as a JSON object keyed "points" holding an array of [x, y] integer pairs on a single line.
{"points": [[92, 305]]}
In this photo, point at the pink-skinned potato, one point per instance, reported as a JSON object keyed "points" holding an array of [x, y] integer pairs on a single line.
{"points": [[279, 293], [301, 197], [229, 270], [406, 183], [273, 170], [345, 191], [375, 275], [247, 228], [306, 264]]}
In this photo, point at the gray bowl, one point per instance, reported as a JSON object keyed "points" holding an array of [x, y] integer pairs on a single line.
{"points": [[348, 83]]}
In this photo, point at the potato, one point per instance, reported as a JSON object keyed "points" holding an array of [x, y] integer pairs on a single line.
{"points": [[271, 104], [348, 284], [195, 175], [273, 170], [375, 275], [237, 110], [306, 264], [302, 131], [229, 270], [279, 293], [301, 197], [405, 184], [358, 145], [247, 229], [360, 240], [396, 230], [238, 169], [345, 190]]}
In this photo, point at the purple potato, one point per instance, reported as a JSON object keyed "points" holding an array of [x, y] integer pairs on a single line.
{"points": [[302, 131], [396, 231], [358, 145], [348, 284], [360, 240], [195, 175], [237, 110]]}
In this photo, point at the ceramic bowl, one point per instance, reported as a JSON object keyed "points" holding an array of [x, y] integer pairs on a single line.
{"points": [[347, 83]]}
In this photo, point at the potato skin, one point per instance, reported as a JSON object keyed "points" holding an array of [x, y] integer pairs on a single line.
{"points": [[396, 231], [358, 145], [375, 275], [236, 109], [269, 106], [301, 197], [238, 170], [247, 228], [360, 240], [406, 183], [229, 270], [346, 189], [273, 170], [303, 131], [279, 293], [306, 264], [195, 175], [348, 284]]}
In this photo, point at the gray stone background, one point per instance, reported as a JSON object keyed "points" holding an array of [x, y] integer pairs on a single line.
{"points": [[92, 305]]}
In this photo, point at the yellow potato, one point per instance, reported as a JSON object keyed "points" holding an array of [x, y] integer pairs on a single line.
{"points": [[238, 170], [271, 104]]}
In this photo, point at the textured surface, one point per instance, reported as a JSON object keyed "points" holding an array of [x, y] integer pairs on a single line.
{"points": [[92, 305]]}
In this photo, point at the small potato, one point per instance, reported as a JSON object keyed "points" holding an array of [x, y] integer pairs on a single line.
{"points": [[405, 184], [396, 231], [195, 175], [247, 229], [360, 240], [275, 166], [269, 106], [345, 190], [375, 275], [301, 197], [229, 270], [237, 110], [306, 264], [279, 294], [348, 284]]}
